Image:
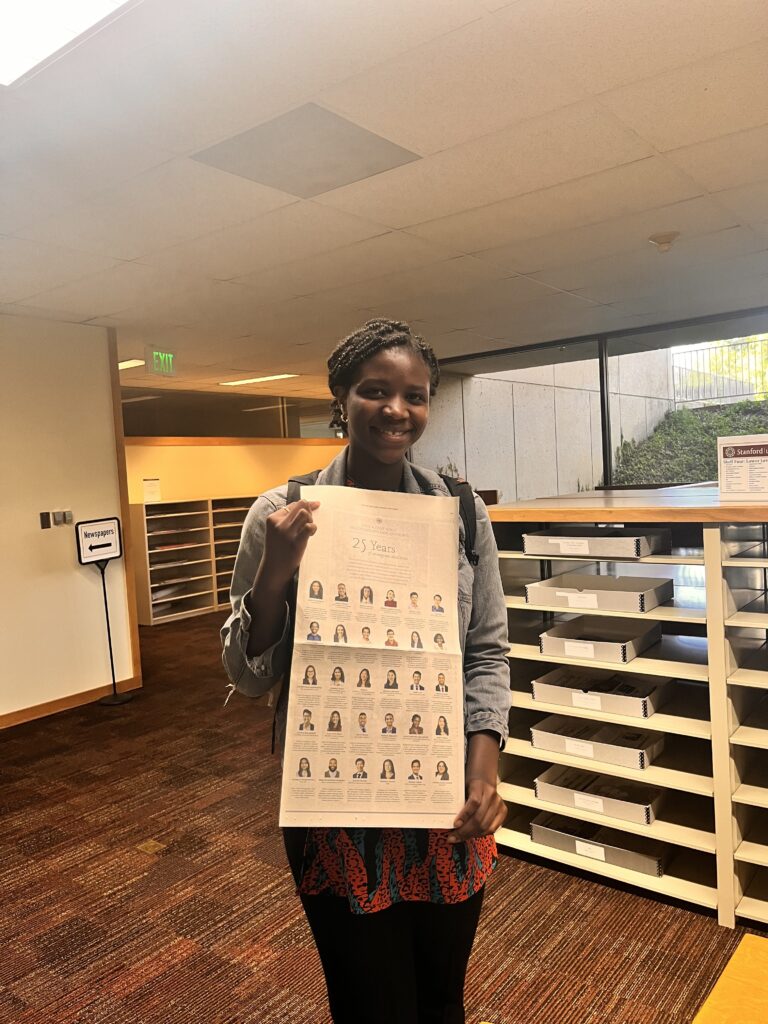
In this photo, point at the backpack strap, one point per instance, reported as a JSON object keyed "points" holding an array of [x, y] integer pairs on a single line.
{"points": [[297, 482], [460, 489]]}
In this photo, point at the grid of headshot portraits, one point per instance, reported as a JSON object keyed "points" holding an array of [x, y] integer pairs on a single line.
{"points": [[377, 616]]}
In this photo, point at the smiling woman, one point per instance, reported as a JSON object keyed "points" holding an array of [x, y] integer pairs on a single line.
{"points": [[381, 378]]}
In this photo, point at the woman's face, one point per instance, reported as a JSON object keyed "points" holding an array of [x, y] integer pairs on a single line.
{"points": [[303, 765], [442, 768], [390, 595], [387, 405], [339, 631], [391, 676], [335, 717], [414, 638], [315, 587], [442, 722], [365, 675], [388, 766], [337, 673], [310, 672]]}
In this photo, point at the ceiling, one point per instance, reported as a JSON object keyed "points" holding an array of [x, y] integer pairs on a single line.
{"points": [[501, 165]]}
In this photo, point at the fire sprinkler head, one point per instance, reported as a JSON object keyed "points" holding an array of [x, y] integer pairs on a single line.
{"points": [[664, 240]]}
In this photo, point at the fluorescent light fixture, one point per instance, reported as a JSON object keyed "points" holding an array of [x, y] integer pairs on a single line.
{"points": [[35, 30], [141, 398], [128, 364], [256, 380], [263, 408]]}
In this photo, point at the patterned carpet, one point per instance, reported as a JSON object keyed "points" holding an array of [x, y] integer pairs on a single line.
{"points": [[207, 929]]}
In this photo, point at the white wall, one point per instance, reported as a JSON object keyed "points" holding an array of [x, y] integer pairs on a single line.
{"points": [[57, 451]]}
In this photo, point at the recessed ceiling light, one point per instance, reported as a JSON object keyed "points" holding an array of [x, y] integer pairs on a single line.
{"points": [[141, 398], [664, 240], [256, 380], [35, 30], [128, 364]]}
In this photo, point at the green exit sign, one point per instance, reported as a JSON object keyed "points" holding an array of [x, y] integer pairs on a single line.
{"points": [[160, 362]]}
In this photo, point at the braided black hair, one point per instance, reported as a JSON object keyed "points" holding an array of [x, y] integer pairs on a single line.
{"points": [[359, 346]]}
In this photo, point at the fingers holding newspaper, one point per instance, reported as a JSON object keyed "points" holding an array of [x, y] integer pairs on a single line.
{"points": [[287, 532]]}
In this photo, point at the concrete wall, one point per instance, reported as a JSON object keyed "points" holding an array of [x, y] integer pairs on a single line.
{"points": [[536, 432]]}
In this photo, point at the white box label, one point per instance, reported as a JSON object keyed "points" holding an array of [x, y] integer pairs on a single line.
{"points": [[590, 850], [588, 803], [572, 546], [742, 467], [578, 600], [579, 748], [579, 649], [587, 700]]}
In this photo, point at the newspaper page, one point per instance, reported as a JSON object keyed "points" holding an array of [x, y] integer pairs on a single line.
{"points": [[375, 731]]}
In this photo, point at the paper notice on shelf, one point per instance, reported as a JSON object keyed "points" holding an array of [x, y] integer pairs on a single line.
{"points": [[592, 701], [151, 490], [579, 748], [588, 803], [590, 850], [578, 649], [573, 546], [375, 732], [742, 467], [578, 600]]}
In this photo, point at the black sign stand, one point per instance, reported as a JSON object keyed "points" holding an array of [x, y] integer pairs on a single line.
{"points": [[113, 698]]}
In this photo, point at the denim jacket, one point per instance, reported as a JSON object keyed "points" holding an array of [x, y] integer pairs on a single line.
{"points": [[482, 610]]}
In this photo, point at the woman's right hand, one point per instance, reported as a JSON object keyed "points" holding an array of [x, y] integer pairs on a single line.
{"points": [[287, 532]]}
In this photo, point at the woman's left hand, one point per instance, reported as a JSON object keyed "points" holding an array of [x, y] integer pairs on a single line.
{"points": [[481, 815]]}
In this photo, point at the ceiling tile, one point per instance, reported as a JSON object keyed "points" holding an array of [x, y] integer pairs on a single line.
{"points": [[607, 43], [726, 162], [691, 217], [716, 96], [306, 151], [467, 83], [373, 257], [749, 202], [27, 268], [291, 233], [180, 200], [510, 162], [641, 185]]}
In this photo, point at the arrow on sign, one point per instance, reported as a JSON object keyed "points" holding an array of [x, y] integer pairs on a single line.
{"points": [[95, 547]]}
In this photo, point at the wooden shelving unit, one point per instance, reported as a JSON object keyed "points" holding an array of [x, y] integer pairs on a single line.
{"points": [[188, 556], [713, 771]]}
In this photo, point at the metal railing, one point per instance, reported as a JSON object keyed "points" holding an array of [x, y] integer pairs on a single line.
{"points": [[721, 371]]}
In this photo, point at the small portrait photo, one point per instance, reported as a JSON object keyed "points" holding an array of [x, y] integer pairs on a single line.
{"points": [[437, 604], [304, 771], [387, 770], [359, 772], [306, 724], [310, 676], [416, 683], [362, 723], [441, 729], [365, 634], [389, 728], [391, 683], [413, 601], [416, 729], [340, 634], [415, 775], [337, 676], [341, 592], [439, 641], [442, 686], [314, 631], [391, 641], [316, 590], [364, 679], [416, 643], [389, 599], [332, 772], [334, 722], [441, 772], [366, 595]]}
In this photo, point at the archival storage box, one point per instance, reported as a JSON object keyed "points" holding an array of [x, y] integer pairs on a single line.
{"points": [[598, 639], [622, 849], [595, 689], [611, 744], [600, 794], [597, 542], [610, 593]]}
